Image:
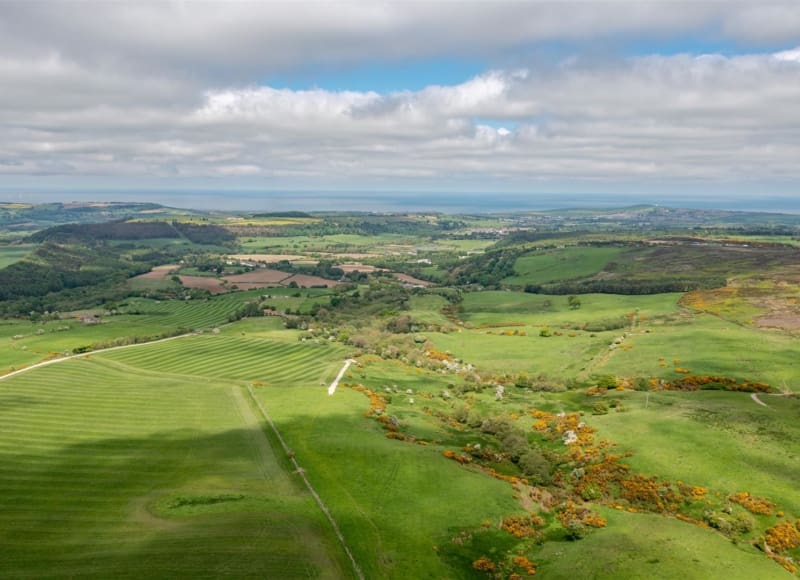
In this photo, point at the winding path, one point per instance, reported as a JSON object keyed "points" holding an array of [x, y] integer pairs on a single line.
{"points": [[754, 396]]}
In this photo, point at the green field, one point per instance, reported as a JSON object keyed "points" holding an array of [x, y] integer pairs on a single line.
{"points": [[563, 264], [706, 345], [724, 441], [111, 468], [14, 253], [646, 546], [175, 469], [505, 307], [28, 342]]}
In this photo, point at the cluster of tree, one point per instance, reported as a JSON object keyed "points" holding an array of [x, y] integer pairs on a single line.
{"points": [[205, 234], [486, 269], [323, 269], [22, 216], [514, 443], [53, 268], [629, 286], [134, 230], [247, 310], [383, 298], [115, 230]]}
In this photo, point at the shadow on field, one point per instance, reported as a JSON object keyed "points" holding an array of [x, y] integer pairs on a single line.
{"points": [[393, 500], [10, 402], [87, 510]]}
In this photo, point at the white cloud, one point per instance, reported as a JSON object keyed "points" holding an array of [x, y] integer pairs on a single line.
{"points": [[171, 90]]}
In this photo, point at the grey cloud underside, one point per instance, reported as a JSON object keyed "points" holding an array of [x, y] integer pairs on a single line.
{"points": [[170, 89]]}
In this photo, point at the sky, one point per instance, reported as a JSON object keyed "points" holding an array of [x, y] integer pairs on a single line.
{"points": [[647, 98]]}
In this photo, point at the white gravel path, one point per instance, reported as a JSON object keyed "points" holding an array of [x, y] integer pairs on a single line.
{"points": [[335, 383]]}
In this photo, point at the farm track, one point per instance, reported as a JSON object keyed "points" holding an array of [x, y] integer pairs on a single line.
{"points": [[317, 498], [335, 383], [87, 354]]}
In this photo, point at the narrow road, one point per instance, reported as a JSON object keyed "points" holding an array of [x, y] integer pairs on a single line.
{"points": [[335, 383], [754, 396], [91, 352]]}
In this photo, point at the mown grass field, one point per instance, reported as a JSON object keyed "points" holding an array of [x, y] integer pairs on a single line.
{"points": [[139, 317], [133, 465]]}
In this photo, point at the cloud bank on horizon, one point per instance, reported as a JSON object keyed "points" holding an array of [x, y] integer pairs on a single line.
{"points": [[582, 96]]}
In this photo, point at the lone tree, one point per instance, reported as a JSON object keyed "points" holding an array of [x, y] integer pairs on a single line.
{"points": [[574, 302]]}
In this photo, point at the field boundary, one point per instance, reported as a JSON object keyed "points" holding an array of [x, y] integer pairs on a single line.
{"points": [[317, 498]]}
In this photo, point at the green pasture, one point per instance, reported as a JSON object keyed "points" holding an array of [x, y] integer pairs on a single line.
{"points": [[109, 468], [327, 243], [649, 547], [14, 253], [504, 307], [556, 356], [303, 300], [394, 501], [562, 264], [723, 441], [427, 309], [706, 345]]}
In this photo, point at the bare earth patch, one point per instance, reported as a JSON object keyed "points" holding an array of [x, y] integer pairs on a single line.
{"points": [[787, 321], [268, 258], [364, 268], [213, 285], [257, 278], [158, 273], [405, 278], [308, 281], [348, 256]]}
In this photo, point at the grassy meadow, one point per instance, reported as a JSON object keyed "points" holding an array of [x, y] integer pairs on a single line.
{"points": [[724, 441], [14, 253], [562, 264], [114, 467]]}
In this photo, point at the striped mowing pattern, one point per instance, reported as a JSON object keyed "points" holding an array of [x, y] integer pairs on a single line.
{"points": [[88, 445], [248, 359], [189, 313]]}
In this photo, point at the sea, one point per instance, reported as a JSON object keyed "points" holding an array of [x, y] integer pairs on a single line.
{"points": [[405, 201]]}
